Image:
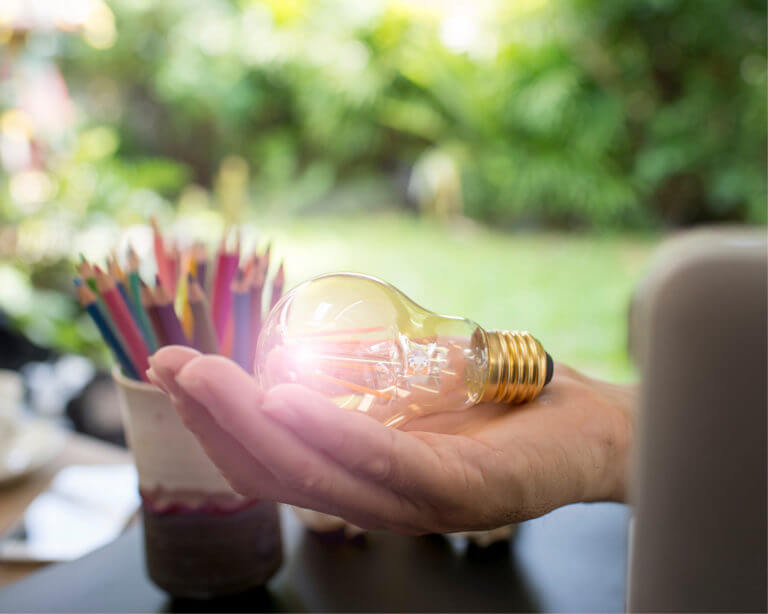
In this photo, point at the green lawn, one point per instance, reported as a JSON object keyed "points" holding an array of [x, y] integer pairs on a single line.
{"points": [[571, 290]]}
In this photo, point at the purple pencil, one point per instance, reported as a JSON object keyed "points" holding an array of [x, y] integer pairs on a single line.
{"points": [[174, 333]]}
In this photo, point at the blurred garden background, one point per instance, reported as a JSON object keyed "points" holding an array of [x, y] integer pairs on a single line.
{"points": [[515, 162]]}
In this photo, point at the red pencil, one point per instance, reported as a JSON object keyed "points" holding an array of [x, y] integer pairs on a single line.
{"points": [[121, 316], [148, 302], [226, 276], [215, 291], [161, 256]]}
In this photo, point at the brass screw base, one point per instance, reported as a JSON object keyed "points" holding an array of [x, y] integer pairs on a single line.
{"points": [[517, 367]]}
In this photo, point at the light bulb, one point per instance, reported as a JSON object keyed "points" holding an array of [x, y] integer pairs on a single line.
{"points": [[368, 347]]}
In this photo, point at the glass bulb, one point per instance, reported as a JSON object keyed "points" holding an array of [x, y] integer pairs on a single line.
{"points": [[368, 347]]}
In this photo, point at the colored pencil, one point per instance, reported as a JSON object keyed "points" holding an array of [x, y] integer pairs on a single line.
{"points": [[216, 308], [174, 266], [148, 303], [266, 258], [181, 305], [124, 322], [241, 315], [216, 293], [86, 272], [204, 336], [201, 265], [118, 276], [113, 267], [134, 285], [170, 321], [89, 300], [161, 255], [228, 270]]}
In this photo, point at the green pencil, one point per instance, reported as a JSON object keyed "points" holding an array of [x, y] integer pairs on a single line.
{"points": [[134, 282]]}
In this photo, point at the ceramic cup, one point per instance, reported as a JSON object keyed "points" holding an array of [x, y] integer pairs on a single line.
{"points": [[202, 539]]}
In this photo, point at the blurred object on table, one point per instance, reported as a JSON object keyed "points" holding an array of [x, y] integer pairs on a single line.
{"points": [[84, 508], [96, 412], [26, 443], [15, 497]]}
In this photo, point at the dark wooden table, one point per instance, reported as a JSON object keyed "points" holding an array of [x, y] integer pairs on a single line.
{"points": [[573, 559]]}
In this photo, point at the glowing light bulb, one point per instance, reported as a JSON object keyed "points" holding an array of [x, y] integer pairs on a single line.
{"points": [[370, 348]]}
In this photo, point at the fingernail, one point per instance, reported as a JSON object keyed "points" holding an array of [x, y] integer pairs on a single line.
{"points": [[152, 375], [157, 381]]}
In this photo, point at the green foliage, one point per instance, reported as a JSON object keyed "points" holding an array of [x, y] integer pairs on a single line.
{"points": [[533, 113], [571, 290], [624, 113]]}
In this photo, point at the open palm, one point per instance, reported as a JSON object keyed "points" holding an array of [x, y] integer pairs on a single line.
{"points": [[477, 469]]}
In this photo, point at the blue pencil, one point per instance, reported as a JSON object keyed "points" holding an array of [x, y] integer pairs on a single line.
{"points": [[88, 300], [134, 305], [241, 311]]}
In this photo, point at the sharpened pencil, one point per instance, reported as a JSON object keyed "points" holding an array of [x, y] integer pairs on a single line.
{"points": [[161, 255], [88, 299], [168, 318], [204, 336], [148, 302], [201, 265], [134, 343], [241, 315], [134, 285]]}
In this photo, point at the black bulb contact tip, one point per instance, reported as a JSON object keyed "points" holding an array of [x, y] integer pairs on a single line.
{"points": [[550, 369]]}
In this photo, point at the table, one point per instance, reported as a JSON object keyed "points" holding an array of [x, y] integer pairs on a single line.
{"points": [[573, 559], [16, 496]]}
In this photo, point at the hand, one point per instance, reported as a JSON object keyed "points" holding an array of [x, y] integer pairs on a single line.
{"points": [[482, 468]]}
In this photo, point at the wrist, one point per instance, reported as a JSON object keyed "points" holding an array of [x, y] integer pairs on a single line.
{"points": [[610, 459]]}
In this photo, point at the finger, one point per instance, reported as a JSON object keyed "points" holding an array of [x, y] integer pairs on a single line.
{"points": [[244, 473], [166, 363], [361, 444], [307, 478]]}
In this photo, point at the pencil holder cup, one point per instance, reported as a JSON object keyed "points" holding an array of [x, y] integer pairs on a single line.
{"points": [[202, 539]]}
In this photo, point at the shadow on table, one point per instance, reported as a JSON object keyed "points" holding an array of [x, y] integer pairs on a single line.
{"points": [[381, 572]]}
